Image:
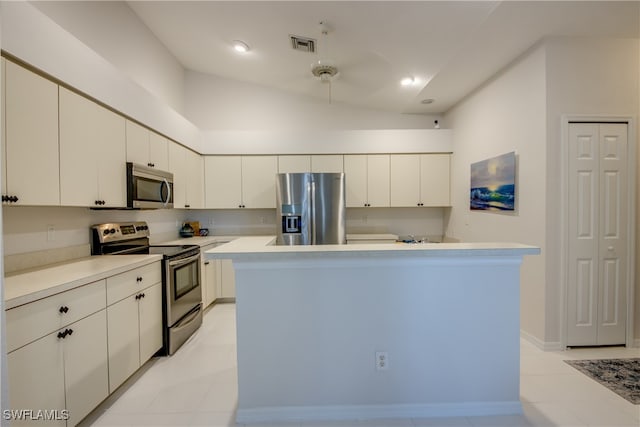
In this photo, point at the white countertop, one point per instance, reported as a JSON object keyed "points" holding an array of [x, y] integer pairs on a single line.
{"points": [[199, 240], [23, 288], [354, 237], [263, 248]]}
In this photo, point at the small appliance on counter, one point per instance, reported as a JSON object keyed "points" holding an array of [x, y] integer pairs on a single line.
{"points": [[182, 290], [187, 230]]}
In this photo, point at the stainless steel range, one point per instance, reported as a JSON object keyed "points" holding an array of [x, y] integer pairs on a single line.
{"points": [[182, 296]]}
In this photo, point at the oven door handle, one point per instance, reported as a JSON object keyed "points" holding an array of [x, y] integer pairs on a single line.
{"points": [[184, 261], [187, 319]]}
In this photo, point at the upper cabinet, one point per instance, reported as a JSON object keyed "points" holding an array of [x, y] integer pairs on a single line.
{"points": [[188, 177], [146, 148], [327, 163], [233, 182], [30, 138], [92, 153], [367, 180], [294, 164], [420, 180]]}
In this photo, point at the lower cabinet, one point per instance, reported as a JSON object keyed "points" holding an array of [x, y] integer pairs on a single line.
{"points": [[227, 287], [134, 332], [65, 371], [69, 351], [209, 277]]}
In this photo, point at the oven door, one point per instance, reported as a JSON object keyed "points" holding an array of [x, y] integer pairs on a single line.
{"points": [[183, 286]]}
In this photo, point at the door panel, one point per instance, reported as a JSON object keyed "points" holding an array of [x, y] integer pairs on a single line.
{"points": [[598, 209]]}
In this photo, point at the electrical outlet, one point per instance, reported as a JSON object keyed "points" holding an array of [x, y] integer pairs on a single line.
{"points": [[51, 233], [382, 361]]}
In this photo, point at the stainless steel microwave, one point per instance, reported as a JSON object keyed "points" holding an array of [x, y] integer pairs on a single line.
{"points": [[148, 188]]}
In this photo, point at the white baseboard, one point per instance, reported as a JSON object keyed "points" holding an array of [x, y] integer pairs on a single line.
{"points": [[354, 412], [542, 345]]}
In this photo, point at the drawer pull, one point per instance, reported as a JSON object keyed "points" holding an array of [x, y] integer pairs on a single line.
{"points": [[63, 309], [138, 279]]}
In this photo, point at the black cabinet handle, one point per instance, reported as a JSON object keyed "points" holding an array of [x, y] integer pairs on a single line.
{"points": [[138, 297], [187, 206], [63, 309], [10, 199], [139, 279], [63, 334], [142, 295]]}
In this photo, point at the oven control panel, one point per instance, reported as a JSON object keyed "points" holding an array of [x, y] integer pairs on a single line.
{"points": [[113, 232]]}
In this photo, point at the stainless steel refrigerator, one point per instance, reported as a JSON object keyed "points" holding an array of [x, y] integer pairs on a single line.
{"points": [[310, 208]]}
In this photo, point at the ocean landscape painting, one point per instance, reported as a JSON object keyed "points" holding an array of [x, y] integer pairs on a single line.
{"points": [[493, 183]]}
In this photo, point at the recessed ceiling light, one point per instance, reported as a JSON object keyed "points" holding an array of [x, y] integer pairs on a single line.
{"points": [[427, 101], [240, 46], [407, 81]]}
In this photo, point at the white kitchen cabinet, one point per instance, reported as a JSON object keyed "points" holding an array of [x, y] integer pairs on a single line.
{"points": [[134, 320], [327, 163], [194, 191], [92, 153], [259, 181], [188, 177], [227, 287], [209, 276], [85, 366], [233, 182], [223, 182], [294, 164], [66, 366], [31, 172], [177, 166], [367, 180], [146, 147], [435, 179], [420, 180], [36, 376]]}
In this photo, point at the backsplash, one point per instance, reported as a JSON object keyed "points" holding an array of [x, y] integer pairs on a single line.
{"points": [[36, 236]]}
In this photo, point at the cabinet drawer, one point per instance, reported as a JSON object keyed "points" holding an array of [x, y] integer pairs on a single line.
{"points": [[29, 322], [128, 283]]}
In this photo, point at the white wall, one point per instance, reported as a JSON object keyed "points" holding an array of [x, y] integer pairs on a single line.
{"points": [[520, 109], [116, 33], [215, 103], [597, 77], [506, 114]]}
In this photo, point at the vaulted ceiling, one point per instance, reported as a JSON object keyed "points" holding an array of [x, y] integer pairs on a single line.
{"points": [[448, 47]]}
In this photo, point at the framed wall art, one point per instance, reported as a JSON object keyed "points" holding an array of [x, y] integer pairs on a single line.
{"points": [[493, 184]]}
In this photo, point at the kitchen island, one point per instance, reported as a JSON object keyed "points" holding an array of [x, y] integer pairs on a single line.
{"points": [[376, 330]]}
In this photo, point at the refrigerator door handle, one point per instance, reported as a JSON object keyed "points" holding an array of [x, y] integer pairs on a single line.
{"points": [[312, 203]]}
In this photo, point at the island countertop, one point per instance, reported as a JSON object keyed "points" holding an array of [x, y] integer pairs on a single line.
{"points": [[264, 248]]}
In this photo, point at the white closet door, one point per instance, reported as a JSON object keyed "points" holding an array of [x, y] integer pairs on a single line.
{"points": [[613, 235], [596, 307]]}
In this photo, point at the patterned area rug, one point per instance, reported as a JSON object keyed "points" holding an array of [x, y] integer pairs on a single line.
{"points": [[621, 376]]}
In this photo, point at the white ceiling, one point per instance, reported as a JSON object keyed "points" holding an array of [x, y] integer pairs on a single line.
{"points": [[450, 47]]}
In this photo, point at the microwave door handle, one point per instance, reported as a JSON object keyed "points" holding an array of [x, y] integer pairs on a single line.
{"points": [[185, 261], [166, 202]]}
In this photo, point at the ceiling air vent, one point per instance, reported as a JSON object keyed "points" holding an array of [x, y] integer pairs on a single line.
{"points": [[303, 44]]}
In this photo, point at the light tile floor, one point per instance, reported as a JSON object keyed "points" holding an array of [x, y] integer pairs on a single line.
{"points": [[197, 387]]}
